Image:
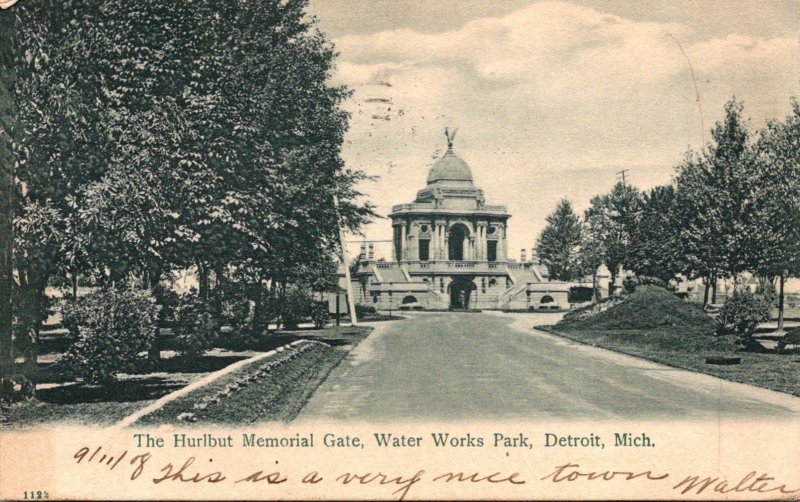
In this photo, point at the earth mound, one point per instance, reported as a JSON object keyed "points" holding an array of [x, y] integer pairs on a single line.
{"points": [[648, 307]]}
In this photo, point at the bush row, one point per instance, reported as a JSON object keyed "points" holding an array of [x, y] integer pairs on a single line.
{"points": [[115, 329]]}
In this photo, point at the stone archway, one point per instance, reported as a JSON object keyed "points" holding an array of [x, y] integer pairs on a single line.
{"points": [[457, 241], [461, 288]]}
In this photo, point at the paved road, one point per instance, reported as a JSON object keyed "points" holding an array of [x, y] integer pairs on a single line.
{"points": [[451, 366]]}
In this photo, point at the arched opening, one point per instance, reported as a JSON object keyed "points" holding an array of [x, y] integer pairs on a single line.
{"points": [[457, 242], [547, 299], [409, 299], [461, 289]]}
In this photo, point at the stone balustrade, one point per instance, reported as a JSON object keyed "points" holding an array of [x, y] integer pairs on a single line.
{"points": [[455, 266]]}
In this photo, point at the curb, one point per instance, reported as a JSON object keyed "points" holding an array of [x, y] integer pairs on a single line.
{"points": [[197, 384]]}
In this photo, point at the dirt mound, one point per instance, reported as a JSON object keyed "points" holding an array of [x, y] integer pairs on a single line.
{"points": [[646, 308]]}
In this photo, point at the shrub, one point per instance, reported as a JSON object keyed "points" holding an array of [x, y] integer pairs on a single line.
{"points": [[196, 329], [629, 284], [741, 313], [113, 327], [296, 307], [649, 280], [234, 304], [365, 310], [17, 388], [168, 299], [240, 339], [319, 314], [767, 291]]}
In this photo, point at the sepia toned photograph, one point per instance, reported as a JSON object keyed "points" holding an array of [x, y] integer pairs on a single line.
{"points": [[376, 249]]}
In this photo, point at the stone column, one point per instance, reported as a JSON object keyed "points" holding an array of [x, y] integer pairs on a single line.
{"points": [[482, 242], [486, 242], [403, 243], [446, 241], [476, 243], [435, 237], [413, 244], [505, 244], [439, 243], [394, 243], [501, 244]]}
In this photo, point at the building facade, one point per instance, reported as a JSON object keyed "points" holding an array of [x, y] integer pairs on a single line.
{"points": [[450, 251]]}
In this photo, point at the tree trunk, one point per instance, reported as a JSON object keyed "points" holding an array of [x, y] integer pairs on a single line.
{"points": [[7, 115], [612, 283], [707, 281], [257, 324], [202, 280], [34, 329], [271, 302], [74, 285], [714, 288], [281, 304], [263, 298], [782, 280], [219, 276]]}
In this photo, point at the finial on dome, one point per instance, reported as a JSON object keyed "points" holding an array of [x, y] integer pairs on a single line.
{"points": [[450, 137]]}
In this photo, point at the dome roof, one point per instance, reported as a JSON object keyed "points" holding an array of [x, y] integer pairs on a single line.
{"points": [[449, 168]]}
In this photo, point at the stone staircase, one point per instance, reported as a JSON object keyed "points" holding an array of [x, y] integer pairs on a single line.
{"points": [[391, 273], [520, 277]]}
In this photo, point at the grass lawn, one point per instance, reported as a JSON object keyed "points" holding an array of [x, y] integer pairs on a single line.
{"points": [[60, 400], [264, 391], [654, 324]]}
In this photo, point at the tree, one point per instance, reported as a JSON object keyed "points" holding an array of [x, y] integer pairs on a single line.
{"points": [[715, 197], [558, 246], [53, 153], [611, 220], [199, 133], [7, 113], [777, 200], [654, 247]]}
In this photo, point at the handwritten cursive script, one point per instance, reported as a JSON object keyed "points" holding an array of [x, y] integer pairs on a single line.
{"points": [[202, 471], [569, 472], [752, 482]]}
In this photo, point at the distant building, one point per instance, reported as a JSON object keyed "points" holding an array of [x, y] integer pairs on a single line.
{"points": [[450, 250]]}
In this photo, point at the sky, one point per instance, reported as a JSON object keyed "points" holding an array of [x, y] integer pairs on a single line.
{"points": [[552, 99]]}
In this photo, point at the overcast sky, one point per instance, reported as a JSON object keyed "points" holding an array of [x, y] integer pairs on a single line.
{"points": [[551, 98]]}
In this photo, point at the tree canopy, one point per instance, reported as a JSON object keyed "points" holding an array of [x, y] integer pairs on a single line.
{"points": [[559, 244], [154, 136]]}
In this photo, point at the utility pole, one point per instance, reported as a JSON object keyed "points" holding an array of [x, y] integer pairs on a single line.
{"points": [[345, 262], [594, 271], [622, 174]]}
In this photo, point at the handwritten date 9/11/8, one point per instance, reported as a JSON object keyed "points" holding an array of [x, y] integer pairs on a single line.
{"points": [[143, 466]]}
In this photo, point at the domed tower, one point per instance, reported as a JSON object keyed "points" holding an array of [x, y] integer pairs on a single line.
{"points": [[449, 235]]}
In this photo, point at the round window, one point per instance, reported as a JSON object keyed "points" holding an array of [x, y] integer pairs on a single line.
{"points": [[424, 228], [491, 230]]}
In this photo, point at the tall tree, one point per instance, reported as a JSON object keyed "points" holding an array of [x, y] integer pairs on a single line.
{"points": [[7, 114], [715, 194], [611, 221], [559, 244], [54, 149], [777, 200], [654, 248], [197, 133]]}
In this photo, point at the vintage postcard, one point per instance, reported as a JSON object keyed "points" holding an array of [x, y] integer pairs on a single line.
{"points": [[399, 249]]}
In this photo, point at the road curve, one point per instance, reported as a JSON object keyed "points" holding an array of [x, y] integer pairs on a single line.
{"points": [[464, 366]]}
